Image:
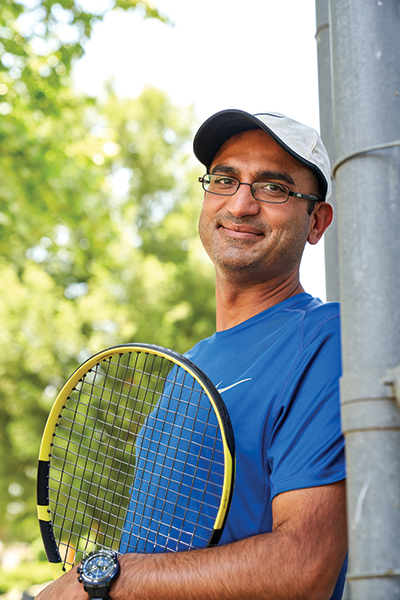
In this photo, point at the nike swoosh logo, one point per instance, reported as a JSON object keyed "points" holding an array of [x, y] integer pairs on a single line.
{"points": [[229, 387]]}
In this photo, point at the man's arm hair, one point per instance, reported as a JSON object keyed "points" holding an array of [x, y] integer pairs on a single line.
{"points": [[300, 559]]}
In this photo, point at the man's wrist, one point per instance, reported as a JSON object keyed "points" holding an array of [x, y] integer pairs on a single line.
{"points": [[97, 573]]}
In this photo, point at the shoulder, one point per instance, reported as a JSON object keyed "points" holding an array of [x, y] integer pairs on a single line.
{"points": [[314, 308], [313, 351], [318, 319]]}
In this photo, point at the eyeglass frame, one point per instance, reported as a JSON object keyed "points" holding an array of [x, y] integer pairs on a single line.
{"points": [[289, 191]]}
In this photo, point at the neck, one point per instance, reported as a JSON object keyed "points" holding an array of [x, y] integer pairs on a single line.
{"points": [[237, 303]]}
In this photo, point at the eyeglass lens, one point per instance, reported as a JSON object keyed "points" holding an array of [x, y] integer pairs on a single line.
{"points": [[266, 191]]}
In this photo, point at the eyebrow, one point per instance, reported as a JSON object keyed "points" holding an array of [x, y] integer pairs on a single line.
{"points": [[259, 175]]}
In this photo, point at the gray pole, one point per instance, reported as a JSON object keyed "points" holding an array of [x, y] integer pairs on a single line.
{"points": [[365, 38], [328, 136], [327, 128]]}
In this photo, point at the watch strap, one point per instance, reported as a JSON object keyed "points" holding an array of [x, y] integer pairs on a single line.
{"points": [[98, 593]]}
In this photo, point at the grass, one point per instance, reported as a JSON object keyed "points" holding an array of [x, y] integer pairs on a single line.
{"points": [[24, 576]]}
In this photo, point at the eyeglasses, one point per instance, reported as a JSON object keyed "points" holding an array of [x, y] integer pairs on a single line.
{"points": [[265, 191]]}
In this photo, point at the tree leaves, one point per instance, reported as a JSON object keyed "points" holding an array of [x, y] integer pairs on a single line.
{"points": [[99, 205]]}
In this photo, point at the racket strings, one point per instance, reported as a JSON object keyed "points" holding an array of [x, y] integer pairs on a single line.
{"points": [[94, 424], [63, 514], [113, 456], [124, 429], [157, 524], [95, 459]]}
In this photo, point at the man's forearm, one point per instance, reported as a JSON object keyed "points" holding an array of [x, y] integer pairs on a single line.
{"points": [[251, 568], [263, 567], [301, 559]]}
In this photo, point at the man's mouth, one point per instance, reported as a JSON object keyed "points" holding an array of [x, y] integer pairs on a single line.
{"points": [[240, 231]]}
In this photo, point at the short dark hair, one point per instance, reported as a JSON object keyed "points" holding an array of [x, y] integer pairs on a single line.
{"points": [[318, 192]]}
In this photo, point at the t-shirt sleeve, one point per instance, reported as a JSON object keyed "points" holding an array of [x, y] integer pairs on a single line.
{"points": [[306, 445]]}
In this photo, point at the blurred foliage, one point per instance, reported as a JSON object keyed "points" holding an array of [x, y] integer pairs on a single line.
{"points": [[22, 578], [99, 205]]}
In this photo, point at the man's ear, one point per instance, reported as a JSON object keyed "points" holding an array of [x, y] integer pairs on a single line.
{"points": [[321, 218]]}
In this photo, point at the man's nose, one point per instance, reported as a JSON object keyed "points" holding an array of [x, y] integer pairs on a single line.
{"points": [[243, 203]]}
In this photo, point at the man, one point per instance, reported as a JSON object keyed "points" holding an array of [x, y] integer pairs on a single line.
{"points": [[276, 359]]}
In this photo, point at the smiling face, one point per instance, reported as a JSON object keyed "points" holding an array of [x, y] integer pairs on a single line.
{"points": [[246, 238]]}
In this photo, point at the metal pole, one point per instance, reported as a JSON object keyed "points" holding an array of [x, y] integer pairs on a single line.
{"points": [[365, 37], [327, 128], [328, 136]]}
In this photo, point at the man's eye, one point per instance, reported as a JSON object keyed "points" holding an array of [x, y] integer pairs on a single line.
{"points": [[271, 188], [224, 181]]}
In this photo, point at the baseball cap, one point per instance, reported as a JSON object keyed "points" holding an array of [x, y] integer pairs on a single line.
{"points": [[300, 141]]}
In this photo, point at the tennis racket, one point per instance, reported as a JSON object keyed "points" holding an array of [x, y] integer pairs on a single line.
{"points": [[137, 456]]}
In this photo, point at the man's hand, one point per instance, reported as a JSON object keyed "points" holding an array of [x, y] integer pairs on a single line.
{"points": [[66, 587]]}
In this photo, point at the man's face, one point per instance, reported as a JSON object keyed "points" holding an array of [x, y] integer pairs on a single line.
{"points": [[246, 238]]}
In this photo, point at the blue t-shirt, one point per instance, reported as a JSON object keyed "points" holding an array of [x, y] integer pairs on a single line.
{"points": [[278, 374]]}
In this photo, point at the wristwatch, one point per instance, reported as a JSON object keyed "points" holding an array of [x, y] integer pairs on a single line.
{"points": [[97, 572]]}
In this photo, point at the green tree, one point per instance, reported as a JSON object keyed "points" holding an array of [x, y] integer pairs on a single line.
{"points": [[43, 121], [98, 246]]}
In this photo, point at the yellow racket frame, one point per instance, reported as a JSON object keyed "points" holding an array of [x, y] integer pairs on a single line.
{"points": [[43, 510]]}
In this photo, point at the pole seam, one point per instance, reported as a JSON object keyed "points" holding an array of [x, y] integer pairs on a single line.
{"points": [[374, 574], [357, 430], [362, 152]]}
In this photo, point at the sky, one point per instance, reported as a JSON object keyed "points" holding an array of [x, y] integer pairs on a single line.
{"points": [[254, 55]]}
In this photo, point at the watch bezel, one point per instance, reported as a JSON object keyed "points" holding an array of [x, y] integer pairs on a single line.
{"points": [[91, 581]]}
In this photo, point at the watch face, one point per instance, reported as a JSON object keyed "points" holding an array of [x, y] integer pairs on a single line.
{"points": [[99, 567]]}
